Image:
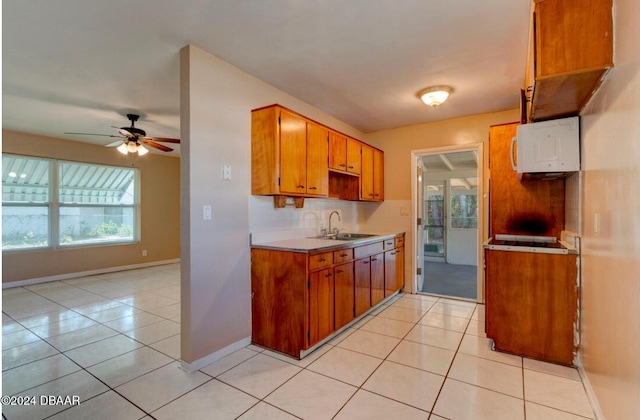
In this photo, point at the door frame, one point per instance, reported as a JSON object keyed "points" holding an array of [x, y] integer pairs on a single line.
{"points": [[482, 209]]}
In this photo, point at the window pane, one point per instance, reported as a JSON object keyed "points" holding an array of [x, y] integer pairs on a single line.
{"points": [[92, 225], [82, 183], [25, 227], [464, 211], [25, 179]]}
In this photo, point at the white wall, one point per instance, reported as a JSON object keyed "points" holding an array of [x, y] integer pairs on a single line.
{"points": [[216, 104], [462, 246], [610, 224]]}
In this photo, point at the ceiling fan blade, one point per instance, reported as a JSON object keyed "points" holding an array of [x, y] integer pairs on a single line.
{"points": [[94, 134], [163, 139], [114, 144], [126, 133], [156, 145]]}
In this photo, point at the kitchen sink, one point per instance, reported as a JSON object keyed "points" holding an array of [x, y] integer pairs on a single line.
{"points": [[346, 236]]}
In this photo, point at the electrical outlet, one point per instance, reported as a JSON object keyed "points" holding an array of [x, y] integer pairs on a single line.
{"points": [[144, 252]]}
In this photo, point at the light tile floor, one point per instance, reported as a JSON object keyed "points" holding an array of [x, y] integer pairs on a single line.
{"points": [[113, 340]]}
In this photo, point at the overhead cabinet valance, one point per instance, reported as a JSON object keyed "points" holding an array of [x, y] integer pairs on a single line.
{"points": [[293, 156]]}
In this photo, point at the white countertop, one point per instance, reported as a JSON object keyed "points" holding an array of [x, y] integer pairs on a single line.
{"points": [[314, 244]]}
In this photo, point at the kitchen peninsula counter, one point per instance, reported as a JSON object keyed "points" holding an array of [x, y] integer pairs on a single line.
{"points": [[305, 291]]}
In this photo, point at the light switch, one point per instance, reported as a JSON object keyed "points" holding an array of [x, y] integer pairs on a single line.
{"points": [[206, 212], [226, 172]]}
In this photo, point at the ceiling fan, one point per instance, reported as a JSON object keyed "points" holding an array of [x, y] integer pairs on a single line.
{"points": [[133, 139]]}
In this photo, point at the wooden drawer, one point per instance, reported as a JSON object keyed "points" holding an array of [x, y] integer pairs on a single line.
{"points": [[320, 261], [399, 241], [342, 255], [389, 243], [365, 250]]}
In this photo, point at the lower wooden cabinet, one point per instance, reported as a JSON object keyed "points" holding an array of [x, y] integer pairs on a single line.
{"points": [[531, 305], [300, 298], [321, 304], [344, 292], [363, 285], [377, 278]]}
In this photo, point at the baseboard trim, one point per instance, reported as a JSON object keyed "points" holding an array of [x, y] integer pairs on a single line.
{"points": [[591, 394], [210, 358], [68, 276]]}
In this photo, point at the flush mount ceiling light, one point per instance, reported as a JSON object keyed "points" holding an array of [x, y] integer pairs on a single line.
{"points": [[435, 95]]}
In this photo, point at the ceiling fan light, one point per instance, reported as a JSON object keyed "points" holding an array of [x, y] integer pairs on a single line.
{"points": [[435, 95], [142, 150], [132, 147], [122, 149]]}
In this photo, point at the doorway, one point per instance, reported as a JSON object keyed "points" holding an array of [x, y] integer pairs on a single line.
{"points": [[448, 206]]}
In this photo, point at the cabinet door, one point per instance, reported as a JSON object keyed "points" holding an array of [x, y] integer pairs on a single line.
{"points": [[337, 151], [377, 278], [400, 268], [363, 285], [320, 305], [344, 287], [293, 154], [317, 152], [378, 175], [366, 178], [390, 274], [532, 304], [354, 156]]}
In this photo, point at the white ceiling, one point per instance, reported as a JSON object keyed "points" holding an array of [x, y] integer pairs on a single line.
{"points": [[81, 65]]}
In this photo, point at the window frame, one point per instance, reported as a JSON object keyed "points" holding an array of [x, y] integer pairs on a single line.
{"points": [[54, 206]]}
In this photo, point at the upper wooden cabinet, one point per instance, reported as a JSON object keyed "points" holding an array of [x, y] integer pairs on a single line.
{"points": [[372, 177], [293, 156], [570, 53], [344, 153], [288, 154]]}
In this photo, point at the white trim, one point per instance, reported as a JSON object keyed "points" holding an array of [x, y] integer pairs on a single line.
{"points": [[478, 148], [68, 276], [591, 394], [217, 355]]}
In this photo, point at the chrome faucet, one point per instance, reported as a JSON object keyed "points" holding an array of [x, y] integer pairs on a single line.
{"points": [[339, 220]]}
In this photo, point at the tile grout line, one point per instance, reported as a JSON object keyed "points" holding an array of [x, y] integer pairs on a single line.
{"points": [[62, 353]]}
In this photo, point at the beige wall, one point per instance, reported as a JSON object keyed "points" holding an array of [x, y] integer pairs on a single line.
{"points": [[160, 211], [398, 144], [610, 132]]}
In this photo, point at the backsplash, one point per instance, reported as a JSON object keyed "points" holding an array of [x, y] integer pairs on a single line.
{"points": [[268, 223], [572, 213]]}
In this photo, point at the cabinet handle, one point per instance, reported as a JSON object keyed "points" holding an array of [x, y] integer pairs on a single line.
{"points": [[374, 259], [312, 188], [365, 262], [328, 275], [344, 255], [371, 195], [339, 271], [342, 164], [377, 195], [300, 186], [394, 253], [322, 260], [351, 166]]}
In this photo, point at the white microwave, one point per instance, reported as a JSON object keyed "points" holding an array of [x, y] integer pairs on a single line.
{"points": [[547, 149]]}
